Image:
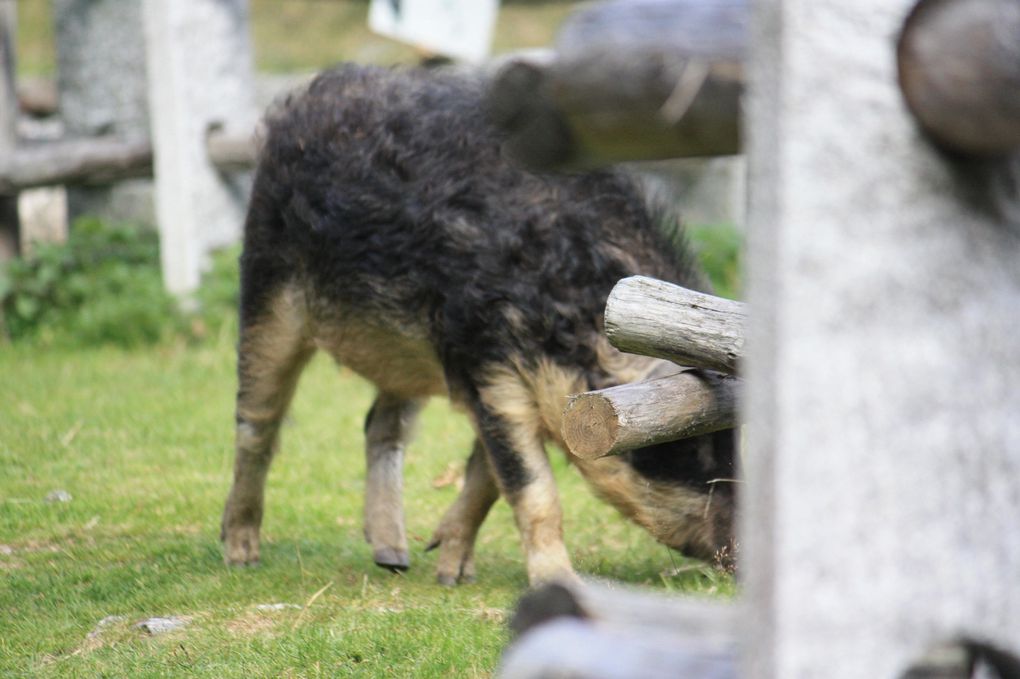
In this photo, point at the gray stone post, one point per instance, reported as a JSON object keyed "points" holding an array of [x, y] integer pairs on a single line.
{"points": [[200, 78], [882, 504], [9, 223], [102, 84]]}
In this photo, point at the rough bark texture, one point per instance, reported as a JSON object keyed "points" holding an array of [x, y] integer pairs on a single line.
{"points": [[611, 421], [959, 67], [654, 318], [883, 463], [607, 97]]}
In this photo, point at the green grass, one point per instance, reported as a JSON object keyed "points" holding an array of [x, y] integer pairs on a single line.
{"points": [[142, 441]]}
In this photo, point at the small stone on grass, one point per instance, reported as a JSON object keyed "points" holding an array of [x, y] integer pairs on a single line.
{"points": [[277, 607], [58, 496], [161, 625]]}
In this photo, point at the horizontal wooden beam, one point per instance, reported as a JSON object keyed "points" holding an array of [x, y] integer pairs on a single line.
{"points": [[231, 152], [102, 160], [654, 318], [959, 69], [95, 160], [634, 80], [618, 419]]}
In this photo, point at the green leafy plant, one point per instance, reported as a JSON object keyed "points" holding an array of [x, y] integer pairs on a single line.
{"points": [[719, 248], [103, 287]]}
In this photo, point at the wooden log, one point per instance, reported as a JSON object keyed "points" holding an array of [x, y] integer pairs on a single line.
{"points": [[959, 69], [614, 420], [591, 629], [231, 152], [635, 80], [654, 318], [38, 97], [10, 231], [98, 160]]}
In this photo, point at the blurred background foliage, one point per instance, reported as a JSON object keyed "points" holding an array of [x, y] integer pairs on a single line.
{"points": [[76, 293]]}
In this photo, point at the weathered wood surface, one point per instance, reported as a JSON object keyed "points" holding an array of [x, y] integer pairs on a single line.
{"points": [[593, 629], [231, 152], [102, 160], [617, 419], [9, 224], [97, 160], [654, 318], [635, 80], [959, 68]]}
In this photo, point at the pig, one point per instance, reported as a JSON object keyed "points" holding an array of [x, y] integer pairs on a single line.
{"points": [[386, 229]]}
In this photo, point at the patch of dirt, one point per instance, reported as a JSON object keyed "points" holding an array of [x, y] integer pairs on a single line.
{"points": [[253, 623]]}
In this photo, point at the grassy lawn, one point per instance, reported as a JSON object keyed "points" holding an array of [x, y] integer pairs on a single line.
{"points": [[141, 440]]}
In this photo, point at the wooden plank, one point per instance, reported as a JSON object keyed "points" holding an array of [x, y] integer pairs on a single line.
{"points": [[959, 69], [617, 419], [654, 318], [635, 80]]}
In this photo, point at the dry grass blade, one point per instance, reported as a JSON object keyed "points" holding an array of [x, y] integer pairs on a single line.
{"points": [[308, 604]]}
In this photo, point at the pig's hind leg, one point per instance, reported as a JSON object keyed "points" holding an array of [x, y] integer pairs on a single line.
{"points": [[458, 529], [272, 351], [389, 427]]}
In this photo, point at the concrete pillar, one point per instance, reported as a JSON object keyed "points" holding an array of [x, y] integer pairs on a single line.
{"points": [[883, 467], [200, 76], [102, 84], [10, 230]]}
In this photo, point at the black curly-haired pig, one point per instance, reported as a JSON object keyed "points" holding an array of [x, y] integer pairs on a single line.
{"points": [[385, 229]]}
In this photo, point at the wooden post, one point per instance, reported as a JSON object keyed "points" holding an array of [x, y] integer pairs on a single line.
{"points": [[617, 419], [959, 67], [883, 439], [654, 318], [10, 231], [101, 82], [200, 79]]}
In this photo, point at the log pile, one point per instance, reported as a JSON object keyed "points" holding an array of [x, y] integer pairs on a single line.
{"points": [[702, 333]]}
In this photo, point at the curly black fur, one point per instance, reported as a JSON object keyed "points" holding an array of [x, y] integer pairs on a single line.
{"points": [[383, 193]]}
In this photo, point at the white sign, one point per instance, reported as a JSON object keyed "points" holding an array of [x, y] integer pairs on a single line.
{"points": [[457, 28]]}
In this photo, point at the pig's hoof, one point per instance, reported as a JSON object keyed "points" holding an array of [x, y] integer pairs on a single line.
{"points": [[446, 580], [241, 546], [241, 549], [391, 559]]}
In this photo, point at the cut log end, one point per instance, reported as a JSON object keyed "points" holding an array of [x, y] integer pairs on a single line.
{"points": [[590, 426]]}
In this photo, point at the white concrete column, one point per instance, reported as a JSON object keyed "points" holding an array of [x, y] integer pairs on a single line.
{"points": [[882, 504], [200, 76]]}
